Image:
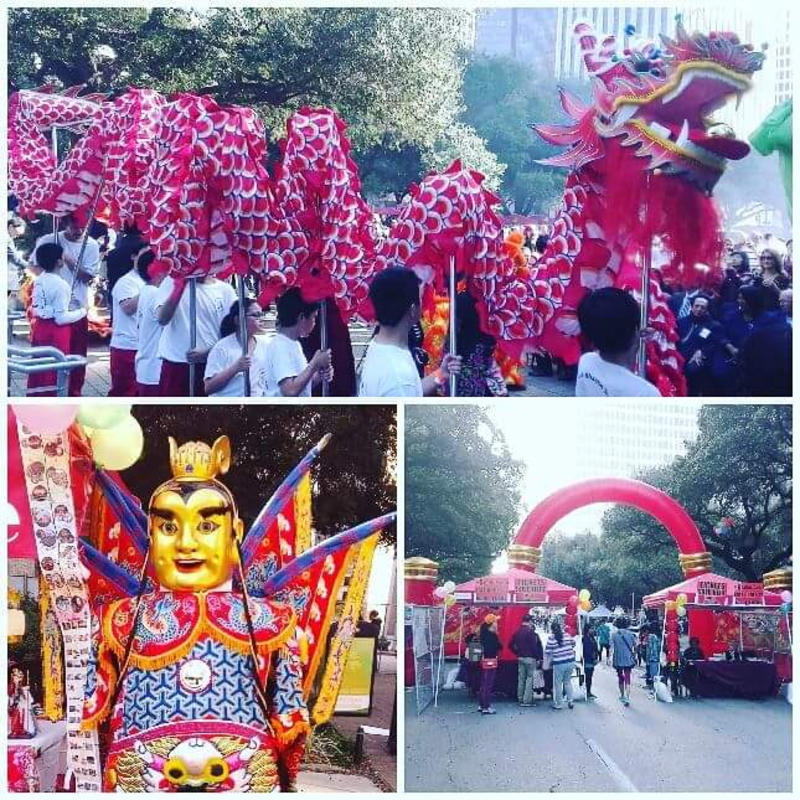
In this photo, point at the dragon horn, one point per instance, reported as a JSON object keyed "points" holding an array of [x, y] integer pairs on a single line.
{"points": [[127, 585], [588, 44], [307, 560], [273, 506]]}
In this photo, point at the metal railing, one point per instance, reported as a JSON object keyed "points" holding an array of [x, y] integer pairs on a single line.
{"points": [[34, 360]]}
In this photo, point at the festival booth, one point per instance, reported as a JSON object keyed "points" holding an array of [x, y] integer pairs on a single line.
{"points": [[244, 644], [510, 595], [743, 632]]}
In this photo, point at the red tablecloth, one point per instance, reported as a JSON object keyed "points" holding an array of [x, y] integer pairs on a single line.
{"points": [[748, 679]]}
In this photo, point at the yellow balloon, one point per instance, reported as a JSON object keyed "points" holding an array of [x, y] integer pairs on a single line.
{"points": [[103, 415], [584, 594], [585, 605], [670, 605], [449, 601], [682, 599], [680, 611], [117, 447]]}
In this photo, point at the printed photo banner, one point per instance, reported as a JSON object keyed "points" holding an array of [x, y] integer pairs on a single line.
{"points": [[46, 462]]}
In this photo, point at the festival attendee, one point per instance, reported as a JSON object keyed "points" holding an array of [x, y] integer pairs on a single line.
{"points": [[225, 367], [560, 648], [706, 350], [148, 362], [389, 369], [343, 383], [604, 640], [51, 317], [376, 623], [124, 333], [286, 371], [527, 647], [479, 375], [16, 262], [78, 278], [214, 299], [641, 645], [785, 301], [610, 320], [772, 273], [624, 644], [766, 352], [653, 654], [490, 643], [693, 652], [591, 655], [119, 260]]}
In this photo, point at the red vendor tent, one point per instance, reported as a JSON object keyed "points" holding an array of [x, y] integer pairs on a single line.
{"points": [[713, 589], [509, 595]]}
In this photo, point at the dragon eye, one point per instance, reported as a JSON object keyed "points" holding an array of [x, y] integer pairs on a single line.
{"points": [[216, 770]]}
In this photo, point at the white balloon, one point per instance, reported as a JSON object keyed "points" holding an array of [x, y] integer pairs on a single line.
{"points": [[439, 591], [449, 587]]}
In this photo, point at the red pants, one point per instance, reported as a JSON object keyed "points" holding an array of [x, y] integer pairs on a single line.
{"points": [[78, 346], [123, 373], [46, 333], [147, 389], [175, 379]]}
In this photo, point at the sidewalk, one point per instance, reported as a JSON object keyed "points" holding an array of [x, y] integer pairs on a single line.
{"points": [[377, 761]]}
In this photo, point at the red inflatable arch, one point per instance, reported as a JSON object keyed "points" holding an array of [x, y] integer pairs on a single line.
{"points": [[693, 556]]}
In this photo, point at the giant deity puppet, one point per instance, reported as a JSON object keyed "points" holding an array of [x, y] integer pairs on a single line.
{"points": [[211, 654]]}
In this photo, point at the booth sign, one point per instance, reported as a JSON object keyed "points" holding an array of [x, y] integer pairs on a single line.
{"points": [[749, 594], [710, 592], [491, 589], [530, 590]]}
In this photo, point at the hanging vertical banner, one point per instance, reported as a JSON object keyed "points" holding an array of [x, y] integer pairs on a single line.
{"points": [[355, 693], [46, 463]]}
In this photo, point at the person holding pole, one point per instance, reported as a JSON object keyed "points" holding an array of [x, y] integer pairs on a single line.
{"points": [[225, 368], [51, 319], [286, 372], [214, 300], [78, 270], [148, 363], [125, 331], [389, 369]]}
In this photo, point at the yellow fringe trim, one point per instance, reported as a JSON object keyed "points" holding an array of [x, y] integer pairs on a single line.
{"points": [[99, 716], [286, 737], [203, 627], [308, 683]]}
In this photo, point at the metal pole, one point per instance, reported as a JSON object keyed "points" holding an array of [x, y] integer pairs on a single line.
{"points": [[192, 330], [453, 389], [54, 145], [243, 328], [645, 304], [323, 339]]}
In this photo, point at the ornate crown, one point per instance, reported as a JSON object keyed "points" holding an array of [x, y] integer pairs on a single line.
{"points": [[198, 461]]}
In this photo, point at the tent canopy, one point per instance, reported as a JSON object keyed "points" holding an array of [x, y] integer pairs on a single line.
{"points": [[713, 590], [601, 611], [514, 586]]}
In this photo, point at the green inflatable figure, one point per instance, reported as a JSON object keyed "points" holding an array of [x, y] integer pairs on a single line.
{"points": [[775, 134]]}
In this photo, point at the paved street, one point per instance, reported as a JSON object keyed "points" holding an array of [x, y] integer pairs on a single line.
{"points": [[690, 745]]}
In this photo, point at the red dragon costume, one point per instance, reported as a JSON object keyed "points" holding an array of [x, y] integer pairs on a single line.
{"points": [[192, 174]]}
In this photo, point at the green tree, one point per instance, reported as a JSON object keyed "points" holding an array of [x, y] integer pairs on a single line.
{"points": [[503, 97], [462, 497], [352, 482], [394, 74]]}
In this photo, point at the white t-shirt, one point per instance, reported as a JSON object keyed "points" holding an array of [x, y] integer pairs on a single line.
{"points": [[284, 359], [214, 301], [228, 350], [124, 330], [50, 298], [598, 378], [90, 263], [148, 364], [389, 371]]}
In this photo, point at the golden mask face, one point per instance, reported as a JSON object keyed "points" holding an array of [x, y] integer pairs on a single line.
{"points": [[193, 538]]}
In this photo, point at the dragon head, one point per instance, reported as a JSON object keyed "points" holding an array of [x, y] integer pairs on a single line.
{"points": [[660, 99]]}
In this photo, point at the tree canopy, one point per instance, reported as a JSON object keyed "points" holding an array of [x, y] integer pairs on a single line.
{"points": [[740, 466], [462, 496], [353, 480], [394, 74]]}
